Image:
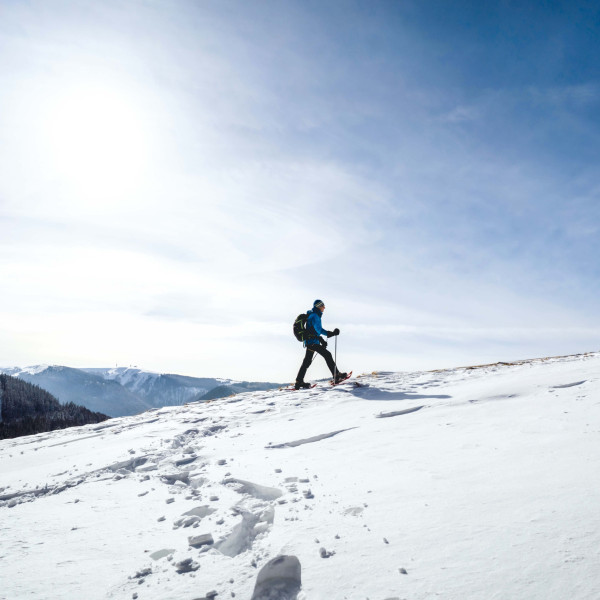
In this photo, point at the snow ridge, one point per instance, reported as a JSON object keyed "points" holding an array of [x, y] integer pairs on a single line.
{"points": [[131, 377], [18, 371]]}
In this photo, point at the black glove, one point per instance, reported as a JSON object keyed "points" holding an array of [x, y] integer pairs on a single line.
{"points": [[323, 342], [336, 331]]}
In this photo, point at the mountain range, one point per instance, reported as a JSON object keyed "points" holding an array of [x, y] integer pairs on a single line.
{"points": [[123, 391]]}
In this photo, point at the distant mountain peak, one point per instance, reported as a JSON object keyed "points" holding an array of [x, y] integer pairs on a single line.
{"points": [[31, 370]]}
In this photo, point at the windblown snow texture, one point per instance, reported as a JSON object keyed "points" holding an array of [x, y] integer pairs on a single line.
{"points": [[466, 483]]}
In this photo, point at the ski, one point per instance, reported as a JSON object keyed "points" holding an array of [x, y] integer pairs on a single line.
{"points": [[332, 382]]}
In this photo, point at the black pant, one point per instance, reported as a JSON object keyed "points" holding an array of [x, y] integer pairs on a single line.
{"points": [[308, 357]]}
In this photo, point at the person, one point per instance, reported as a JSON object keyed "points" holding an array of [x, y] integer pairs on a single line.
{"points": [[315, 343]]}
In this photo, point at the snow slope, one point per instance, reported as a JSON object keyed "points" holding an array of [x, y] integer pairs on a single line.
{"points": [[459, 484]]}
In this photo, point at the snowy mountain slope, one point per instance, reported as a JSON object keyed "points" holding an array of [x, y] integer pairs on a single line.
{"points": [[458, 484], [159, 389]]}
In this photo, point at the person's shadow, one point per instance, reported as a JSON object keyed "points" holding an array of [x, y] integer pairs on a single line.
{"points": [[367, 393]]}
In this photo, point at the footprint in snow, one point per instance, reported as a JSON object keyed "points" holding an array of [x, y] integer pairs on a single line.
{"points": [[128, 465], [245, 532], [279, 579], [171, 479], [193, 516], [354, 511], [261, 492], [162, 553]]}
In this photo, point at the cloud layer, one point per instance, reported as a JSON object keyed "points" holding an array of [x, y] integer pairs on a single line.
{"points": [[179, 180]]}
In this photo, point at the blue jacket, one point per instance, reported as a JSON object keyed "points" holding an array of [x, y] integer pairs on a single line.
{"points": [[314, 328]]}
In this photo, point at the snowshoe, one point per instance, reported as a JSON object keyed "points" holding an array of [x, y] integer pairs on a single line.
{"points": [[301, 385], [341, 377]]}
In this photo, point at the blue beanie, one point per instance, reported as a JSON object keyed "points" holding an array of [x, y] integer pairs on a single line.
{"points": [[318, 304]]}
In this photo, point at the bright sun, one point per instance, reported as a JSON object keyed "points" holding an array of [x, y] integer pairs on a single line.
{"points": [[98, 143]]}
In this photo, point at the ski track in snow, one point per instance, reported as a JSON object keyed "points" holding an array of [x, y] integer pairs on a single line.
{"points": [[191, 502]]}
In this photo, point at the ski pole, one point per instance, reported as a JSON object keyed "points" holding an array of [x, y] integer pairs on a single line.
{"points": [[335, 360]]}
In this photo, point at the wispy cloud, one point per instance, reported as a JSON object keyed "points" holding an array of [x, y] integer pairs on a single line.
{"points": [[583, 95], [220, 165], [461, 114]]}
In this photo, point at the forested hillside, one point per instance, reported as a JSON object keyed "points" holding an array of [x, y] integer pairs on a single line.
{"points": [[27, 409]]}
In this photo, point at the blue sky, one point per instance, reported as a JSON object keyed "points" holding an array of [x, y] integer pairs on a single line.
{"points": [[179, 179]]}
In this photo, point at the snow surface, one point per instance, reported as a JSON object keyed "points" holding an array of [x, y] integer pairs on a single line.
{"points": [[479, 483]]}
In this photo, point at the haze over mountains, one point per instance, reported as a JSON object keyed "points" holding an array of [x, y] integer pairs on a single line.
{"points": [[126, 391]]}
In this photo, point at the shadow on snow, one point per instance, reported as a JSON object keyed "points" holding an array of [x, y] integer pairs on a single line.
{"points": [[375, 394]]}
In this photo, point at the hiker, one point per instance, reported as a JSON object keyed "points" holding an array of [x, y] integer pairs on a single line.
{"points": [[315, 343]]}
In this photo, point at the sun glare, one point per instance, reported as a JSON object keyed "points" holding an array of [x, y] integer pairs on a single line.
{"points": [[98, 143]]}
